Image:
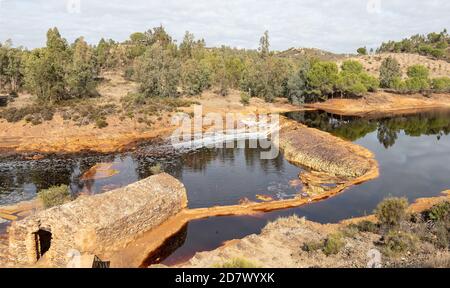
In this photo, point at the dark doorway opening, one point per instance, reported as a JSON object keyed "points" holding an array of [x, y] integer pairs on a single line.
{"points": [[43, 240]]}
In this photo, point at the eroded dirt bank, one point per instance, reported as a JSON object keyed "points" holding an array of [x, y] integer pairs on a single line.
{"points": [[288, 236], [63, 136], [384, 104]]}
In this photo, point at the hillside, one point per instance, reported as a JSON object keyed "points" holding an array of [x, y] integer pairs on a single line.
{"points": [[298, 53], [372, 63]]}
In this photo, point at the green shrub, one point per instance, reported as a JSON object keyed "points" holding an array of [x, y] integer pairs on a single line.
{"points": [[392, 211], [352, 66], [362, 51], [397, 242], [245, 98], [101, 123], [418, 71], [366, 226], [312, 246], [333, 244], [156, 169], [237, 263], [417, 84], [441, 84], [441, 235], [437, 53], [439, 212], [349, 231], [390, 73], [55, 196]]}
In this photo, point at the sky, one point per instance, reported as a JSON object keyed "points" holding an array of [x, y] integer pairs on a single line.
{"points": [[334, 25]]}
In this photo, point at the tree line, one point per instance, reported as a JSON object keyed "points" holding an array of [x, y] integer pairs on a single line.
{"points": [[433, 44], [62, 71]]}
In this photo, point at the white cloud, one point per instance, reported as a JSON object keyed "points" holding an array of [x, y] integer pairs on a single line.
{"points": [[339, 26]]}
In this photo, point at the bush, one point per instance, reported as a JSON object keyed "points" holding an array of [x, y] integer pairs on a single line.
{"points": [[392, 211], [35, 114], [366, 226], [156, 169], [414, 85], [312, 246], [418, 71], [441, 235], [333, 244], [397, 242], [352, 66], [101, 123], [390, 72], [245, 98], [237, 263], [362, 51], [55, 196], [441, 84], [439, 212]]}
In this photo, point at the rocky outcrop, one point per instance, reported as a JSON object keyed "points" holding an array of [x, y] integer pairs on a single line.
{"points": [[323, 152], [96, 224]]}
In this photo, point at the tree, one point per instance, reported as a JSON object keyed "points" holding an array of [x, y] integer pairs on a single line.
{"points": [[322, 78], [390, 72], [264, 44], [11, 76], [82, 71], [45, 69], [157, 72], [158, 35], [265, 77], [362, 51], [187, 46], [195, 77], [297, 85], [352, 66], [354, 81]]}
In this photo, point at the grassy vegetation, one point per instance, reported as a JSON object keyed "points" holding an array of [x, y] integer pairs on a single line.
{"points": [[433, 44], [399, 233], [333, 244], [55, 196], [391, 211], [330, 246], [245, 98], [34, 114]]}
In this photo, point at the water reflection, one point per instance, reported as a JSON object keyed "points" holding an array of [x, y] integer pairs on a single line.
{"points": [[435, 123], [219, 176]]}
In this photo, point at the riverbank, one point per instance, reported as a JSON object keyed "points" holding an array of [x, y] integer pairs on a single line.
{"points": [[383, 104], [293, 239]]}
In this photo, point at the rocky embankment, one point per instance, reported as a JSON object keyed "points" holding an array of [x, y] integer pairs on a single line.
{"points": [[352, 243]]}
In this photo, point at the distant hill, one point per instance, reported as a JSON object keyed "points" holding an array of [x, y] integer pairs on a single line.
{"points": [[435, 45], [313, 53], [372, 63]]}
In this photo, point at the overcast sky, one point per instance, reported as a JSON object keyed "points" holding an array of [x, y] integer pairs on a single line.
{"points": [[339, 26]]}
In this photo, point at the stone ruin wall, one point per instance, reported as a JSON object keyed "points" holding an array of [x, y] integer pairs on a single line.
{"points": [[99, 223]]}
